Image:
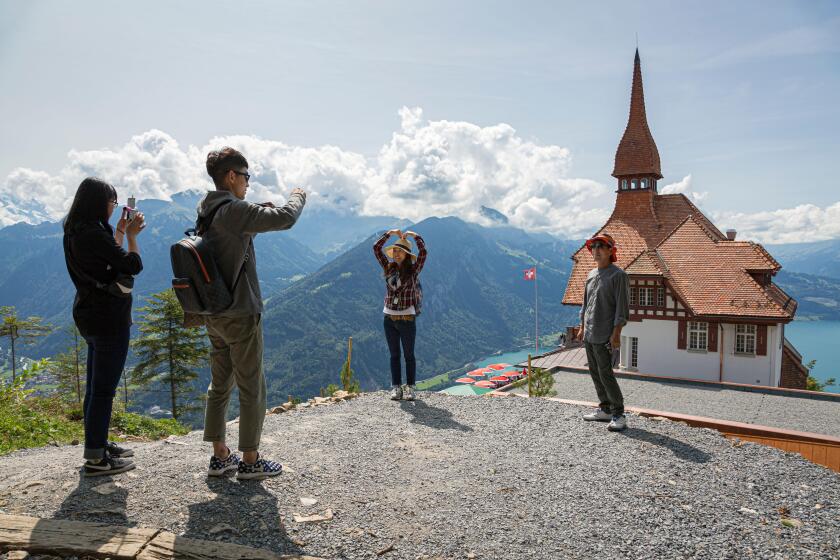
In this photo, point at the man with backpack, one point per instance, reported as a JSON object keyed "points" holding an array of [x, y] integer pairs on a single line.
{"points": [[229, 225]]}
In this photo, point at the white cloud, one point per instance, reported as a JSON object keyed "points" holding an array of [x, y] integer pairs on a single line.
{"points": [[802, 223], [427, 168], [684, 186]]}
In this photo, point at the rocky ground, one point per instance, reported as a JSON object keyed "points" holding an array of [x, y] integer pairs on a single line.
{"points": [[777, 411], [460, 477]]}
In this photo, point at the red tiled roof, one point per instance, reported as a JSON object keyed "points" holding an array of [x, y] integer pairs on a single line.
{"points": [[647, 264], [711, 276], [639, 222], [637, 153], [751, 256]]}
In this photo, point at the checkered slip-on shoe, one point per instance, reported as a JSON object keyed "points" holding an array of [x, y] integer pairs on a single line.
{"points": [[220, 467], [107, 466], [263, 468], [115, 450]]}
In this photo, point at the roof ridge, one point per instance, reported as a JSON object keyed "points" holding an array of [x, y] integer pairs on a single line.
{"points": [[698, 211]]}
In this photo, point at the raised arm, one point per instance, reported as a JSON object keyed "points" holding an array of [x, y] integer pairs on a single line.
{"points": [[380, 243], [104, 245], [421, 253], [256, 218]]}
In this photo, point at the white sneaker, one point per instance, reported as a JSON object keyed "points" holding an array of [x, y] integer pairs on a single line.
{"points": [[396, 393], [409, 393], [598, 416], [617, 424]]}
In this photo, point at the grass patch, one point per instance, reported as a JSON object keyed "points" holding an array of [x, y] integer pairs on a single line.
{"points": [[432, 381], [28, 420]]}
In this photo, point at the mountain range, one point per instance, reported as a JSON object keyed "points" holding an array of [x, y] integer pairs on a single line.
{"points": [[323, 285]]}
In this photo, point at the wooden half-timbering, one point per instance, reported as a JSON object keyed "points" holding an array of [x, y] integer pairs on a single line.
{"points": [[652, 298]]}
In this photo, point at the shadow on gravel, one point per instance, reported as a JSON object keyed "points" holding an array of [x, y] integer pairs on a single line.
{"points": [[680, 449], [241, 512], [97, 499], [432, 416]]}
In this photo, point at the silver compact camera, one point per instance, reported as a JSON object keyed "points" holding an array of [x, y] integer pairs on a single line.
{"points": [[131, 209]]}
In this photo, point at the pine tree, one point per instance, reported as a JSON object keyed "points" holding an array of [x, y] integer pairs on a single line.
{"points": [[69, 367], [168, 352], [14, 328], [542, 383]]}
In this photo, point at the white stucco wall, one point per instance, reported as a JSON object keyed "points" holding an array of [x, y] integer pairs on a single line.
{"points": [[658, 355]]}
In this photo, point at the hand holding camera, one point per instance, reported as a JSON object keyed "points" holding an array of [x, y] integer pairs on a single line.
{"points": [[136, 225]]}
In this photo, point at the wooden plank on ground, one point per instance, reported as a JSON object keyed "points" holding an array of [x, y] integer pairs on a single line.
{"points": [[59, 536], [167, 546]]}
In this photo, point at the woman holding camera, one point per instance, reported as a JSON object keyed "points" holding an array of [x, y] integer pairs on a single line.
{"points": [[102, 272], [403, 296]]}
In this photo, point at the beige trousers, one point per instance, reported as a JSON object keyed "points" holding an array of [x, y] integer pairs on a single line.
{"points": [[236, 357]]}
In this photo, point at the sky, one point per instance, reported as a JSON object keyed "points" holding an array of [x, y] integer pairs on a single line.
{"points": [[429, 108]]}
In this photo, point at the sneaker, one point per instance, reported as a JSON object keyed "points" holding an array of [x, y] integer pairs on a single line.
{"points": [[115, 450], [409, 393], [107, 466], [263, 468], [396, 393], [618, 423], [220, 467], [598, 416]]}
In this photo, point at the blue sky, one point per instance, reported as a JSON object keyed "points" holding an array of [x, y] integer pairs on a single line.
{"points": [[741, 96]]}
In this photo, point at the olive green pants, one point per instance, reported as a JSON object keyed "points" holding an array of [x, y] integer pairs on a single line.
{"points": [[236, 357]]}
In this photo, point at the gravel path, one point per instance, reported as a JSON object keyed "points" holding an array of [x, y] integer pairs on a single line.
{"points": [[792, 413], [461, 477]]}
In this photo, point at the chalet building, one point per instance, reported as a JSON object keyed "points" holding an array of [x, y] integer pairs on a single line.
{"points": [[703, 305]]}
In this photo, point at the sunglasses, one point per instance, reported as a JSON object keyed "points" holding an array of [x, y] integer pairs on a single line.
{"points": [[246, 175], [599, 246]]}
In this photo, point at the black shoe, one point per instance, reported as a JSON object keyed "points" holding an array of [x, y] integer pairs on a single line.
{"points": [[115, 450], [107, 466]]}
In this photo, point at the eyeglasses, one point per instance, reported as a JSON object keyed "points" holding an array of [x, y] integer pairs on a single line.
{"points": [[246, 175], [114, 202]]}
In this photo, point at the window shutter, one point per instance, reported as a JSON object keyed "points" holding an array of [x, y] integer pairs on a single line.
{"points": [[761, 340], [681, 334], [713, 336]]}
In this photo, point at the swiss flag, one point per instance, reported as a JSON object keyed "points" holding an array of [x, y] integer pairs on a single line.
{"points": [[531, 273]]}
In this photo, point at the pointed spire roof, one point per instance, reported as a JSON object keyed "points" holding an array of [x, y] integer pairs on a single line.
{"points": [[637, 153]]}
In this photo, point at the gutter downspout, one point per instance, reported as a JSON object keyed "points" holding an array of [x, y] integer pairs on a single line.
{"points": [[720, 350]]}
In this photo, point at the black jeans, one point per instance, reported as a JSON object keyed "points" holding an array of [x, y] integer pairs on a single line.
{"points": [[404, 332], [599, 357], [105, 362]]}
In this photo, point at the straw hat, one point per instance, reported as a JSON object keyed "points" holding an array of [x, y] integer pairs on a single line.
{"points": [[403, 245]]}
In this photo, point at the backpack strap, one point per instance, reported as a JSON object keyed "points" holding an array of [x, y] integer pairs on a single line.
{"points": [[203, 224]]}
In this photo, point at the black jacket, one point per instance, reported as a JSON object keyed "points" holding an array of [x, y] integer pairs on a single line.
{"points": [[92, 248]]}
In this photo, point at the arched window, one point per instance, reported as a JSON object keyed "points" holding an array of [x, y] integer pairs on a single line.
{"points": [[634, 184], [624, 184], [644, 183]]}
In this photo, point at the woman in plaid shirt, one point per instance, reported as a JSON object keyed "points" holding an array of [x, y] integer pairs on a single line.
{"points": [[403, 297]]}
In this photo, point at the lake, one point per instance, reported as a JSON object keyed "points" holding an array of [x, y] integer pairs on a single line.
{"points": [[818, 340]]}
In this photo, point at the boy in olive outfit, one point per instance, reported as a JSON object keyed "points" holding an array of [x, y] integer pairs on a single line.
{"points": [[603, 314]]}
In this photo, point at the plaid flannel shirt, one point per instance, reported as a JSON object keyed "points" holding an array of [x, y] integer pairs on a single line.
{"points": [[407, 294]]}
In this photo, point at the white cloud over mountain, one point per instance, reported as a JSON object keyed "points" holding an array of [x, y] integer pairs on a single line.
{"points": [[802, 223], [426, 168]]}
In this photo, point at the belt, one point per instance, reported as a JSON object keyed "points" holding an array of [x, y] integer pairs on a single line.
{"points": [[400, 317]]}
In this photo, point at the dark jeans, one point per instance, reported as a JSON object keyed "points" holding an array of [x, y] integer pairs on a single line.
{"points": [[404, 332], [599, 357], [105, 362]]}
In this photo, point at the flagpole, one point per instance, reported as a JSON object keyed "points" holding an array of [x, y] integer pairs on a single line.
{"points": [[536, 315]]}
